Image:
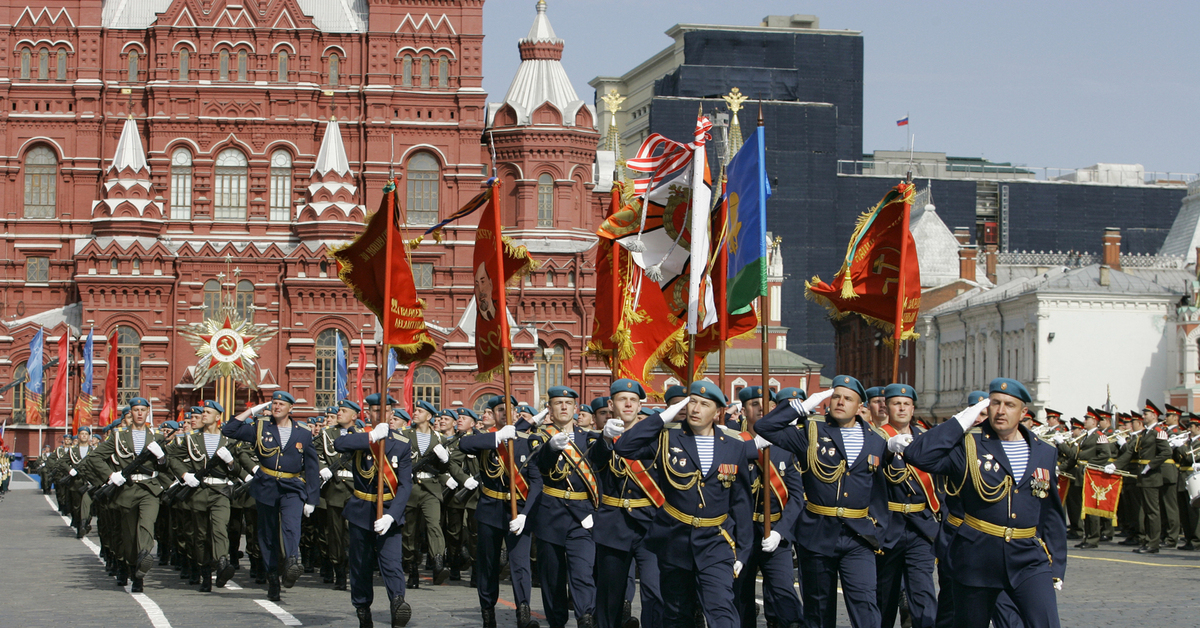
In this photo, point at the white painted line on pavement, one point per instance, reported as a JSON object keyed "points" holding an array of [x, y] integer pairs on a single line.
{"points": [[232, 586], [279, 613]]}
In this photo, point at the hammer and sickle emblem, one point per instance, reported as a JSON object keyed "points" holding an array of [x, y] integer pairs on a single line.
{"points": [[227, 345], [879, 265]]}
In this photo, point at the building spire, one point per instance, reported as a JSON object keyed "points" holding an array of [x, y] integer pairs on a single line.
{"points": [[734, 99], [129, 150], [332, 156], [612, 140]]}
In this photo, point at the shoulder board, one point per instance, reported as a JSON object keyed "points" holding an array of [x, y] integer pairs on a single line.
{"points": [[734, 433], [675, 425], [400, 437], [882, 434], [527, 435]]}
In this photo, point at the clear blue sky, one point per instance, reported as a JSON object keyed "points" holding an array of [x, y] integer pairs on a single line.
{"points": [[1054, 84]]}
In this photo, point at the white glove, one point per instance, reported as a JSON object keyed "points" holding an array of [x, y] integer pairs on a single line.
{"points": [[441, 453], [1058, 584], [254, 470], [379, 432], [737, 568], [190, 480], [309, 509], [668, 415], [537, 418], [116, 478], [471, 483], [325, 474], [259, 408], [248, 478], [1145, 469], [810, 404], [451, 483], [771, 543], [558, 442], [587, 523], [1178, 440], [73, 473], [224, 455], [967, 417], [614, 428], [761, 442], [1059, 438], [507, 432], [1110, 468], [517, 526], [899, 442], [1120, 440], [155, 449], [383, 523]]}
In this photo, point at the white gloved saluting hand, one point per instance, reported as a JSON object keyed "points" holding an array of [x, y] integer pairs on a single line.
{"points": [[899, 442], [537, 418], [668, 415], [967, 418], [808, 405]]}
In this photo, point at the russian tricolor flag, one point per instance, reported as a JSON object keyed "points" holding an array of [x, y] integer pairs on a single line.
{"points": [[902, 121]]}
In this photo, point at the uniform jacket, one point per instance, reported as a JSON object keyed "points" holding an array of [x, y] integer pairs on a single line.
{"points": [[357, 443], [906, 491], [621, 527], [338, 488], [788, 466], [463, 466], [980, 559], [116, 452], [1145, 447], [433, 480], [492, 511], [298, 456], [1169, 468], [556, 517], [190, 455]]}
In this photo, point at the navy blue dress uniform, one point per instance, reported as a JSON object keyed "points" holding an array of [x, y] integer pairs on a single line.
{"points": [[704, 526], [286, 480], [563, 520], [630, 497], [493, 518], [376, 543], [1013, 535], [845, 508], [911, 531]]}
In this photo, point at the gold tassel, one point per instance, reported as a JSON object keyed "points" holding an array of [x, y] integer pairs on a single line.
{"points": [[847, 286], [437, 235], [415, 242]]}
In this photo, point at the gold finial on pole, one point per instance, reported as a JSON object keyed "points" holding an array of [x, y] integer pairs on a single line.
{"points": [[734, 99], [612, 104]]}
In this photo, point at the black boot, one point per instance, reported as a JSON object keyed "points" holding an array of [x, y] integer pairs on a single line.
{"points": [[206, 580], [455, 575], [122, 575], [523, 619], [224, 571], [339, 578], [414, 576], [137, 586], [489, 617], [144, 562], [110, 566], [586, 621], [364, 617], [627, 618], [327, 572], [473, 583], [195, 573], [273, 586], [164, 556], [185, 569], [440, 573], [260, 574], [291, 571], [401, 612], [307, 561]]}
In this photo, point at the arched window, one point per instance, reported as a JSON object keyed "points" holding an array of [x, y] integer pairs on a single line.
{"points": [[43, 64], [443, 72], [229, 186], [129, 355], [26, 60], [571, 279], [427, 386], [223, 65], [424, 71], [334, 68], [132, 75], [243, 71], [281, 185], [183, 64], [549, 361], [326, 394], [18, 398], [61, 70], [481, 403], [406, 70], [244, 300], [181, 184], [551, 277], [41, 172], [423, 175], [546, 201], [212, 298], [283, 66]]}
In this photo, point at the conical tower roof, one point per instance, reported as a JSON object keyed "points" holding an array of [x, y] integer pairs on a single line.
{"points": [[129, 150], [332, 156]]}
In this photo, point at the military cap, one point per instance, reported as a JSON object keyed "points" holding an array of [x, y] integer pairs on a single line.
{"points": [[753, 392], [499, 399], [561, 391], [1010, 387], [643, 412], [526, 409], [1190, 419], [331, 410], [627, 385], [873, 392], [166, 425], [359, 424], [139, 401], [1053, 413], [900, 390], [301, 423], [283, 395], [426, 406], [786, 394], [346, 403], [1172, 409], [846, 381], [468, 412], [110, 426], [401, 413], [674, 392], [1103, 414], [600, 403], [975, 396], [84, 428], [125, 410], [215, 406], [1152, 408], [583, 407], [709, 390], [1076, 421], [195, 410], [448, 413], [373, 399]]}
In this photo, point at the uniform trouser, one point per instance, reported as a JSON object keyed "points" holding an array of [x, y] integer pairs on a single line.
{"points": [[712, 587], [910, 562], [1170, 512], [1074, 507], [487, 564], [1034, 599], [780, 602], [423, 507], [1189, 519], [1005, 614], [336, 535], [612, 571], [854, 563], [1092, 529], [84, 509], [210, 520], [368, 549], [456, 529], [183, 530], [1150, 521], [279, 529], [137, 521], [249, 527], [573, 562]]}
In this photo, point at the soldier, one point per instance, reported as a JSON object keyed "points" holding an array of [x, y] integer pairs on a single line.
{"points": [[1186, 453], [244, 509], [876, 406], [460, 506], [563, 522], [1168, 497], [1143, 455], [137, 500], [82, 513], [337, 485], [601, 412], [673, 395], [286, 484], [430, 458], [376, 541], [1008, 477], [846, 500], [1091, 450], [495, 516], [585, 419]]}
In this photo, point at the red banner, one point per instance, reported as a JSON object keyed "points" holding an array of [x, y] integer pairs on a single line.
{"points": [[1101, 494], [109, 411], [876, 269], [495, 262], [58, 392], [1064, 485], [82, 412]]}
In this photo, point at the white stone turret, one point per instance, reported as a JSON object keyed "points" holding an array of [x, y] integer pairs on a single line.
{"points": [[127, 207]]}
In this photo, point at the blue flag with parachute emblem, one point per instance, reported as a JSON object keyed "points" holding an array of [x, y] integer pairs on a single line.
{"points": [[746, 193]]}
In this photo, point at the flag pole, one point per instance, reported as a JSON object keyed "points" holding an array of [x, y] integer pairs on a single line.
{"points": [[898, 331], [381, 454], [618, 295], [720, 284], [765, 302], [506, 345]]}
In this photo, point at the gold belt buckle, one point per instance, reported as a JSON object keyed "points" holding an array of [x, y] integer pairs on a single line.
{"points": [[1008, 534], [625, 504], [841, 512], [695, 522], [907, 508], [566, 494]]}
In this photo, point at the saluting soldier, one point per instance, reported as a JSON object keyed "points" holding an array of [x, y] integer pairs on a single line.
{"points": [[703, 533], [1013, 536], [430, 458], [1143, 455], [844, 516], [285, 486], [337, 485]]}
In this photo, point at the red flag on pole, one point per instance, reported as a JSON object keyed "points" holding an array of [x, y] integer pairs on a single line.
{"points": [[1101, 494], [108, 412], [496, 260], [58, 392]]}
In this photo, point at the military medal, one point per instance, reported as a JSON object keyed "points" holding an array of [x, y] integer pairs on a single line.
{"points": [[726, 473], [1040, 482]]}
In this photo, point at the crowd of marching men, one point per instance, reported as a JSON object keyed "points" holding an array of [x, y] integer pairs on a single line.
{"points": [[691, 502]]}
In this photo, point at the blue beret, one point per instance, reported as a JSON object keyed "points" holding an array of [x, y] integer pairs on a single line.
{"points": [[215, 406], [875, 391], [526, 409], [975, 397], [449, 413], [346, 403], [426, 406], [166, 425], [900, 390], [401, 413], [85, 428], [195, 410], [752, 392], [468, 412], [709, 390], [598, 404], [499, 399], [373, 399], [283, 395], [585, 408], [561, 391], [125, 411], [627, 385], [333, 409], [301, 423], [845, 381], [785, 394], [643, 412], [139, 401], [1010, 387], [675, 392], [359, 424]]}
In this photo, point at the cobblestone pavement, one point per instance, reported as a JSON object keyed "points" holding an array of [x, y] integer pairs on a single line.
{"points": [[51, 579]]}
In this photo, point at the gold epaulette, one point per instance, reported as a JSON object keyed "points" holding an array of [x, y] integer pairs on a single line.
{"points": [[731, 432], [879, 432], [400, 437], [674, 425]]}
